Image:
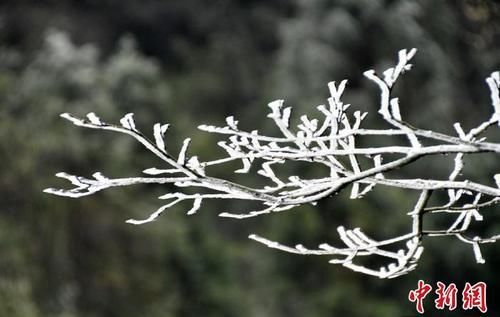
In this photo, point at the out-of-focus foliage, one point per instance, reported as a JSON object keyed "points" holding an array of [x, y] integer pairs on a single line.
{"points": [[189, 63], [331, 40]]}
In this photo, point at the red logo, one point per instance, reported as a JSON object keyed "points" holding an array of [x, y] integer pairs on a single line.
{"points": [[419, 294], [447, 296], [473, 296]]}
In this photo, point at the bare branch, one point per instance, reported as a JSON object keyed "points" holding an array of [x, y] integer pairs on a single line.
{"points": [[329, 142]]}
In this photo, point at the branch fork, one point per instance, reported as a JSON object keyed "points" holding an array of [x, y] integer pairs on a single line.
{"points": [[329, 141]]}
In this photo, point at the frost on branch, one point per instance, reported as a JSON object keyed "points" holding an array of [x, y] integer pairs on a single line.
{"points": [[330, 141]]}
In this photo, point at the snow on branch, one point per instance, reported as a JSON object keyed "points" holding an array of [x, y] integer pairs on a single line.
{"points": [[330, 142]]}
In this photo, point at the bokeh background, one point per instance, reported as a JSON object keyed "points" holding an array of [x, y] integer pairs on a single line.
{"points": [[191, 62]]}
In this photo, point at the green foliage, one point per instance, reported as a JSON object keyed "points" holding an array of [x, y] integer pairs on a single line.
{"points": [[77, 258]]}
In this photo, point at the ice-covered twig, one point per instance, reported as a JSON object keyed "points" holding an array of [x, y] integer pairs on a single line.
{"points": [[327, 140]]}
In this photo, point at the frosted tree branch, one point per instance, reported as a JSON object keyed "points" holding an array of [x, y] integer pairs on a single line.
{"points": [[330, 142]]}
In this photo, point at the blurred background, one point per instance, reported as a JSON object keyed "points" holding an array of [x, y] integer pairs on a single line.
{"points": [[192, 62]]}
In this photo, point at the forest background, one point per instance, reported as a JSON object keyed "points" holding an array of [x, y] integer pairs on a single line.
{"points": [[192, 62]]}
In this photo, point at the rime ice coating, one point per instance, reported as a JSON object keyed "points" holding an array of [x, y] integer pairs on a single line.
{"points": [[321, 142]]}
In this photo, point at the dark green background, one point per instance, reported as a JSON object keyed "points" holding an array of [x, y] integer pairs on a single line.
{"points": [[192, 62]]}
